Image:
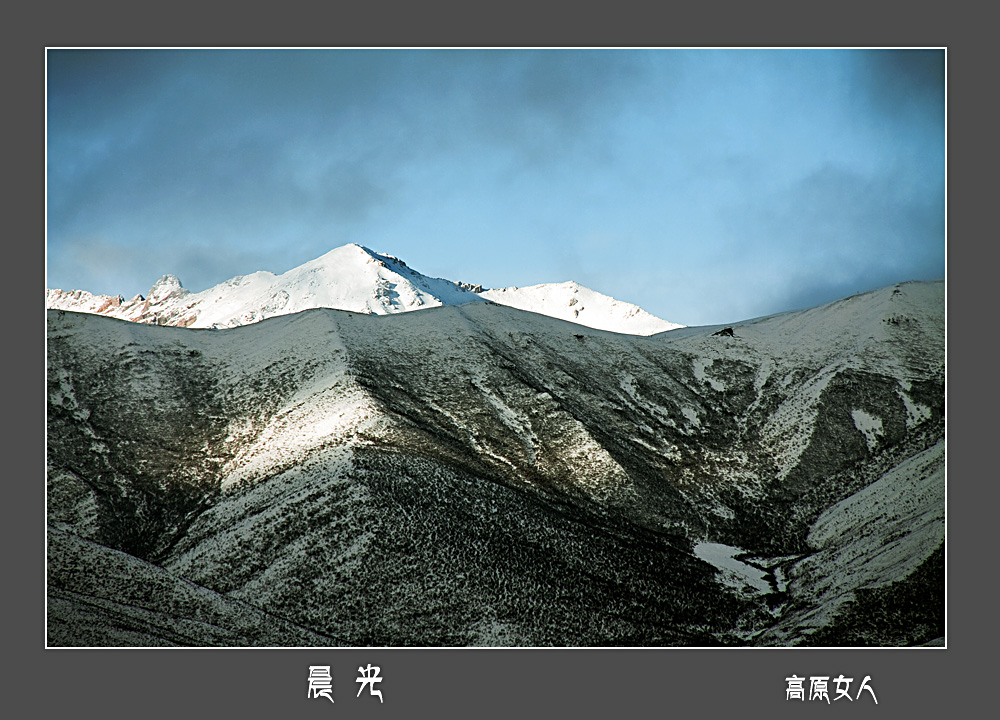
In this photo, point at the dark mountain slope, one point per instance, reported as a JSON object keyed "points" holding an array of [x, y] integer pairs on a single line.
{"points": [[481, 475]]}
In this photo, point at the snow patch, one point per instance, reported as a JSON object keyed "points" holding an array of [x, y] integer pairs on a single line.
{"points": [[691, 415], [732, 572], [699, 366], [869, 425], [915, 412]]}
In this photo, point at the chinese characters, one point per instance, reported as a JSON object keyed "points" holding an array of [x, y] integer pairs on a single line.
{"points": [[369, 676], [320, 681], [819, 688]]}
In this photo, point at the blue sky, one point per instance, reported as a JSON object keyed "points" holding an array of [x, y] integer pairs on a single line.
{"points": [[707, 186]]}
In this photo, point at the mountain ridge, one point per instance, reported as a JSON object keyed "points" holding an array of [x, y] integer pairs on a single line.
{"points": [[354, 278]]}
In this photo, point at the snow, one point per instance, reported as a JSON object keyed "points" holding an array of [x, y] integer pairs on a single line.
{"points": [[329, 409], [165, 287], [915, 412], [575, 303], [869, 425], [838, 334], [733, 573], [356, 279], [876, 536], [691, 415], [348, 278], [699, 366], [856, 333], [288, 444]]}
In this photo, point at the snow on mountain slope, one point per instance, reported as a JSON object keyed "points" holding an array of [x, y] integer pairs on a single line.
{"points": [[864, 333], [347, 278], [477, 474], [575, 303], [351, 278]]}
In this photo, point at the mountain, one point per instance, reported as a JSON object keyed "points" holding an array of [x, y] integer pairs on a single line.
{"points": [[351, 278], [575, 303], [476, 474]]}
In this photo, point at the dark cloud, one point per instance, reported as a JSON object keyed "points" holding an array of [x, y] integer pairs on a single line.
{"points": [[550, 103], [209, 137], [839, 231], [212, 146], [812, 290], [93, 84], [840, 211], [904, 81]]}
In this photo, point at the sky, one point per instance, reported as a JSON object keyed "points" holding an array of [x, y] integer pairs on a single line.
{"points": [[706, 186]]}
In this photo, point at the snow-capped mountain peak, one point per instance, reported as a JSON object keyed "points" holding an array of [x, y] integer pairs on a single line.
{"points": [[353, 278]]}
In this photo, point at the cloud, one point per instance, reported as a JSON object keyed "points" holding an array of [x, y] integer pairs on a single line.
{"points": [[755, 171], [208, 137], [814, 289], [893, 78], [103, 266], [838, 231]]}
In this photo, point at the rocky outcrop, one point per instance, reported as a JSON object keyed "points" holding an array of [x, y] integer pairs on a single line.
{"points": [[165, 288]]}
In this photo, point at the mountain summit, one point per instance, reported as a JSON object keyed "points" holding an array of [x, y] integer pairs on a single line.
{"points": [[356, 279]]}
